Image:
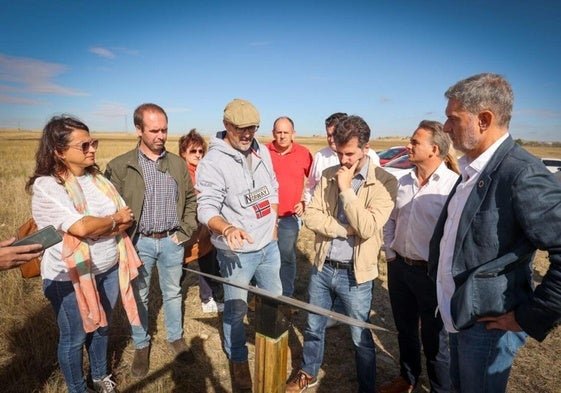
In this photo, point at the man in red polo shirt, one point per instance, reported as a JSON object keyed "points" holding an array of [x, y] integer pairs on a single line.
{"points": [[292, 163]]}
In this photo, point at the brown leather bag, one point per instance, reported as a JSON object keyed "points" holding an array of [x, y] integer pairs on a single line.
{"points": [[200, 246], [31, 268]]}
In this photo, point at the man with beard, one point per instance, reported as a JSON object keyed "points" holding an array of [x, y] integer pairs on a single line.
{"points": [[347, 212], [238, 201], [156, 185], [506, 205]]}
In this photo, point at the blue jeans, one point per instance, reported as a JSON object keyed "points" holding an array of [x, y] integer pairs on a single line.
{"points": [[413, 299], [72, 336], [264, 264], [480, 359], [356, 298], [289, 226], [208, 288], [168, 257]]}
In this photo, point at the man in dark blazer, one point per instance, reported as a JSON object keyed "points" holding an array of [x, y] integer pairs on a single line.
{"points": [[504, 207]]}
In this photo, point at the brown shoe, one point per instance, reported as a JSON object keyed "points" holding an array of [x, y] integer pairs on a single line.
{"points": [[182, 352], [242, 376], [396, 385], [141, 362], [179, 346], [300, 382]]}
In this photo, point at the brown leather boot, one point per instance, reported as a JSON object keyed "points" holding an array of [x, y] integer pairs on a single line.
{"points": [[141, 362], [396, 385], [182, 352], [242, 376]]}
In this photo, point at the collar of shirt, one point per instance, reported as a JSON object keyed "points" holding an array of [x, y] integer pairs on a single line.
{"points": [[435, 176], [472, 168], [142, 155], [272, 147], [360, 177]]}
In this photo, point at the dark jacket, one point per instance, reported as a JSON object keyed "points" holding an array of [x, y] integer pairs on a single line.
{"points": [[125, 173], [514, 209]]}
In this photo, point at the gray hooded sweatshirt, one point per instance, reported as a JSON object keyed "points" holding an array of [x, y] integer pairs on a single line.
{"points": [[243, 196]]}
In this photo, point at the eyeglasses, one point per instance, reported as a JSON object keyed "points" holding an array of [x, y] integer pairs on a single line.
{"points": [[194, 151], [85, 146], [250, 129]]}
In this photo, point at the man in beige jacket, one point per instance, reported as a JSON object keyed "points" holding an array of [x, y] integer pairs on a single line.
{"points": [[347, 213]]}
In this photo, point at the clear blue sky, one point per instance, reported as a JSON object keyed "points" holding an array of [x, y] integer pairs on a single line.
{"points": [[387, 61]]}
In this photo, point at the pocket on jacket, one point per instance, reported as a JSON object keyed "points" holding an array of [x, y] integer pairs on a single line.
{"points": [[487, 224], [489, 294]]}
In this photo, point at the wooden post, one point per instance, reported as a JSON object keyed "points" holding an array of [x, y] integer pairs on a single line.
{"points": [[271, 346]]}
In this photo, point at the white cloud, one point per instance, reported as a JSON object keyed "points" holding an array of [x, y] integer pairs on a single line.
{"points": [[32, 76], [126, 51], [103, 52], [111, 109], [543, 113], [9, 100]]}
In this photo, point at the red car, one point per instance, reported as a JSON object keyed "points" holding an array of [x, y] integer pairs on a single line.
{"points": [[399, 166], [391, 154]]}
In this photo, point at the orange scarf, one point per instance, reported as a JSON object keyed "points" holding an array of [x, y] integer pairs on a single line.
{"points": [[76, 255]]}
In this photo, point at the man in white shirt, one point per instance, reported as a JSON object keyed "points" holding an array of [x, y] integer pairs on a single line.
{"points": [[481, 253], [420, 197], [327, 156]]}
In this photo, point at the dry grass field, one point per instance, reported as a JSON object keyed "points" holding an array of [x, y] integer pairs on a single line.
{"points": [[28, 331]]}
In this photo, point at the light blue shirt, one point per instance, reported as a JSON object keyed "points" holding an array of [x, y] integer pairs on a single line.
{"points": [[341, 249]]}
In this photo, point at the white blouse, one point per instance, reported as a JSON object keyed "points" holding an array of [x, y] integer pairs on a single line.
{"points": [[51, 205]]}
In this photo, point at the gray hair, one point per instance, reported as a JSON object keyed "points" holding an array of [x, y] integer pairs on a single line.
{"points": [[485, 92]]}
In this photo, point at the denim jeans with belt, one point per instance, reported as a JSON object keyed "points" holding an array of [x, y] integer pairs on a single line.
{"points": [[413, 300], [356, 299], [240, 267], [72, 336], [289, 226], [168, 257], [481, 359]]}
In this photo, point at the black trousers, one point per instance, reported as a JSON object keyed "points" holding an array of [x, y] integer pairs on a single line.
{"points": [[413, 300]]}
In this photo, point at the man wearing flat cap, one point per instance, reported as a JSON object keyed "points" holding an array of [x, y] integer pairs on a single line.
{"points": [[238, 200]]}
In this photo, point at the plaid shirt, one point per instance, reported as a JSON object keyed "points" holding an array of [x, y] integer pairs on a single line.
{"points": [[159, 210]]}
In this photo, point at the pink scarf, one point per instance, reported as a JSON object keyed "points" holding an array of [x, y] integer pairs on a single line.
{"points": [[76, 255]]}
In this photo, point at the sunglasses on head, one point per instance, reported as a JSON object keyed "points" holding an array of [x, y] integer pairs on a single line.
{"points": [[85, 146]]}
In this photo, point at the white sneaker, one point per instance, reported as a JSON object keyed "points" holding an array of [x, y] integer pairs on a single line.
{"points": [[210, 306], [332, 323], [104, 385]]}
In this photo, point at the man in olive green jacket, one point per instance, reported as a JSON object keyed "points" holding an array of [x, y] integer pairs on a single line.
{"points": [[347, 212], [157, 186]]}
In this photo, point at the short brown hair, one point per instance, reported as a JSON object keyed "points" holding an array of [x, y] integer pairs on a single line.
{"points": [[138, 116]]}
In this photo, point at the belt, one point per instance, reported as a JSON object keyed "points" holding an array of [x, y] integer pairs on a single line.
{"points": [[339, 265], [159, 235], [413, 262]]}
